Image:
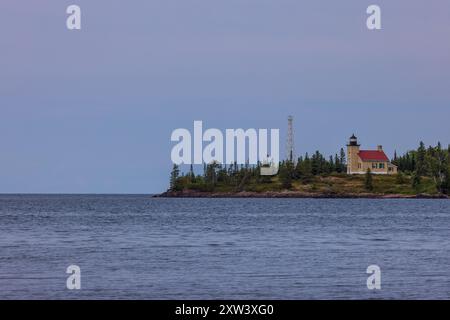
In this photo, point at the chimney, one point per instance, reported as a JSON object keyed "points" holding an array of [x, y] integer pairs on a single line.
{"points": [[380, 148]]}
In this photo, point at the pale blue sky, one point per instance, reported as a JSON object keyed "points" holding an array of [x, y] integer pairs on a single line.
{"points": [[92, 110]]}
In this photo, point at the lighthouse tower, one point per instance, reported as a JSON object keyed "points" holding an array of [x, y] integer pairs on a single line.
{"points": [[352, 155]]}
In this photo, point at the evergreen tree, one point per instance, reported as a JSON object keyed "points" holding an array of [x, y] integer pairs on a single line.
{"points": [[298, 168], [415, 180], [420, 164], [285, 174], [315, 166], [331, 167], [343, 161], [191, 174], [317, 163], [437, 166], [405, 163], [174, 175], [305, 169], [337, 164], [446, 184], [211, 175]]}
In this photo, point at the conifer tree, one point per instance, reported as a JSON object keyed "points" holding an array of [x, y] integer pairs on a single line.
{"points": [[191, 174], [331, 167], [298, 168], [285, 174], [174, 186], [420, 164], [343, 161], [415, 180], [337, 164], [306, 169], [446, 184]]}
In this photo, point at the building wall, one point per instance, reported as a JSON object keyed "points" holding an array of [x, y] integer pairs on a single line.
{"points": [[393, 170], [376, 167], [352, 159]]}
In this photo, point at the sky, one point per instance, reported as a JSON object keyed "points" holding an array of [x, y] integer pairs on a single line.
{"points": [[92, 110]]}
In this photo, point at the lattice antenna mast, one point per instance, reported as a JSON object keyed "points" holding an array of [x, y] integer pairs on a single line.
{"points": [[290, 148]]}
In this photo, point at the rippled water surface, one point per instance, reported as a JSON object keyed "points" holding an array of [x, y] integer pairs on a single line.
{"points": [[138, 247]]}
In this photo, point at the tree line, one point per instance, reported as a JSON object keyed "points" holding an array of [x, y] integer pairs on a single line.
{"points": [[433, 162], [238, 176], [430, 162]]}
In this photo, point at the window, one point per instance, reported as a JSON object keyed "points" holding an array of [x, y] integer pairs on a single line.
{"points": [[381, 165], [374, 165]]}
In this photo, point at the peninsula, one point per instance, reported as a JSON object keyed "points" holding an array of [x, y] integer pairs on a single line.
{"points": [[421, 173]]}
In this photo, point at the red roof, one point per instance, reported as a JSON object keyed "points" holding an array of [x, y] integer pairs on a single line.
{"points": [[372, 155]]}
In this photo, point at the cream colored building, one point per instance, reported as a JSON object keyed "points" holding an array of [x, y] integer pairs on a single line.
{"points": [[358, 161]]}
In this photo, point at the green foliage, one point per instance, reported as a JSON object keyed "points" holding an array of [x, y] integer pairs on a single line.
{"points": [[415, 180], [446, 183], [400, 178], [427, 169], [286, 172], [303, 170], [175, 184], [420, 165], [191, 174], [342, 161], [430, 162]]}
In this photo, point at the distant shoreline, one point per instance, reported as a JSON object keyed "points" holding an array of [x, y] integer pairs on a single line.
{"points": [[293, 194]]}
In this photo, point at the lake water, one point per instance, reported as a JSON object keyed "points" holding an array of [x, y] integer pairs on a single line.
{"points": [[138, 247]]}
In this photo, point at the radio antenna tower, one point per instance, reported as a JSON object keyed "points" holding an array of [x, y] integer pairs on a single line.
{"points": [[290, 149]]}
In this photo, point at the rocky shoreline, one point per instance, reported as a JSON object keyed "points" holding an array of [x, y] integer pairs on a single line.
{"points": [[292, 194]]}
